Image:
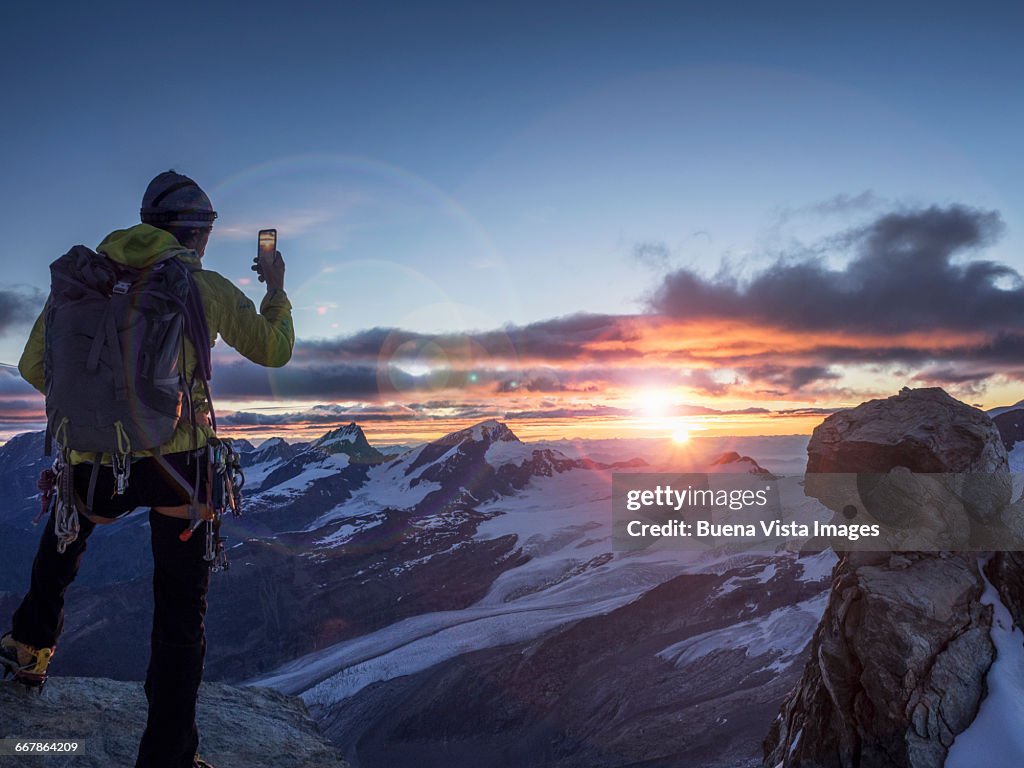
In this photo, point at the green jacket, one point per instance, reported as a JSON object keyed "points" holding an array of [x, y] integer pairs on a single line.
{"points": [[266, 337]]}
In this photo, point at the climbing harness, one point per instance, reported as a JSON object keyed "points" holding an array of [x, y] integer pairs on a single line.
{"points": [[224, 479]]}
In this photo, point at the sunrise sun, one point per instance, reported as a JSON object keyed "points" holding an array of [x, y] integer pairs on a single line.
{"points": [[681, 434]]}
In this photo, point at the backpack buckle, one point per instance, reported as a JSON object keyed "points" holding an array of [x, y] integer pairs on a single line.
{"points": [[122, 287]]}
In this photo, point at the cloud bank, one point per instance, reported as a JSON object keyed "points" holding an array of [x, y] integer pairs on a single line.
{"points": [[904, 277], [907, 296]]}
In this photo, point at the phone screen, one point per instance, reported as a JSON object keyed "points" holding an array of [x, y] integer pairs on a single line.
{"points": [[268, 241]]}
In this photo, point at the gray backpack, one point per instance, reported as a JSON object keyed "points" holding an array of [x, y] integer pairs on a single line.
{"points": [[114, 354]]}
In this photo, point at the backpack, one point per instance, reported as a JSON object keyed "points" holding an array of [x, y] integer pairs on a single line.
{"points": [[114, 354]]}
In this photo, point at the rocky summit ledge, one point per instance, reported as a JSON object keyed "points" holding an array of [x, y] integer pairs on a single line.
{"points": [[239, 727]]}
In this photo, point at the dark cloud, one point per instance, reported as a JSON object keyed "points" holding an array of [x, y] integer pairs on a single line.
{"points": [[327, 381], [451, 409], [569, 413], [531, 384], [806, 411], [18, 306], [314, 379], [843, 203], [605, 410], [735, 375], [1003, 347], [1005, 350], [847, 203], [15, 411], [245, 380], [701, 410], [544, 381], [903, 277], [328, 415], [323, 415], [653, 254], [791, 378], [559, 339], [952, 376], [704, 381], [333, 414], [11, 383], [907, 274]]}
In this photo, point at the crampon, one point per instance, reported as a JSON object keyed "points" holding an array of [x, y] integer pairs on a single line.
{"points": [[27, 665]]}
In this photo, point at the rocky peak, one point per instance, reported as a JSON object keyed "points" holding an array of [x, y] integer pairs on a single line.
{"points": [[732, 462], [489, 431], [471, 443], [349, 433], [21, 461], [241, 445], [271, 449], [899, 663], [22, 450], [349, 439]]}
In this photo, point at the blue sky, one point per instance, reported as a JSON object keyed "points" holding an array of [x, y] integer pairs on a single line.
{"points": [[462, 166]]}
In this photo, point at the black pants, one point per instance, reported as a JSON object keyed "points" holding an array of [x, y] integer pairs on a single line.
{"points": [[181, 578]]}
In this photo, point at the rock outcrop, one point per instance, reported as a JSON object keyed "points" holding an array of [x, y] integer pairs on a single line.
{"points": [[924, 430], [239, 727], [929, 466], [898, 663]]}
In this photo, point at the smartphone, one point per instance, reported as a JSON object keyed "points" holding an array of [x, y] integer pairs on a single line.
{"points": [[266, 249], [268, 241]]}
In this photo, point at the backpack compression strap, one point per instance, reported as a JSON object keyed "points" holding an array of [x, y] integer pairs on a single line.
{"points": [[196, 327]]}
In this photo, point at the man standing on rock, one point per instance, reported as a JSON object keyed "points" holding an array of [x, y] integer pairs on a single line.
{"points": [[177, 218]]}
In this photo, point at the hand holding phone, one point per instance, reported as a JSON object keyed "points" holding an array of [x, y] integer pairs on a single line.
{"points": [[268, 263], [265, 252]]}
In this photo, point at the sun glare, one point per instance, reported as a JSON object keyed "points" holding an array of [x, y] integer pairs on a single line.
{"points": [[681, 435], [655, 404]]}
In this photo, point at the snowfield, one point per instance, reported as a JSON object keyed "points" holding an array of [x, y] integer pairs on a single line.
{"points": [[562, 524]]}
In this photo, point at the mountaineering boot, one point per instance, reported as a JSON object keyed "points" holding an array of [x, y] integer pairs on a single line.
{"points": [[201, 764], [27, 664]]}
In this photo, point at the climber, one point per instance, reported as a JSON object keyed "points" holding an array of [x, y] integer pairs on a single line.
{"points": [[168, 476]]}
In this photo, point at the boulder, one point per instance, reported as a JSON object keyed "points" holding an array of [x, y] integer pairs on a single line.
{"points": [[239, 727], [924, 430], [931, 466], [899, 661]]}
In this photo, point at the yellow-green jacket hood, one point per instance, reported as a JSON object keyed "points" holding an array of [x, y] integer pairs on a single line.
{"points": [[143, 244], [265, 337]]}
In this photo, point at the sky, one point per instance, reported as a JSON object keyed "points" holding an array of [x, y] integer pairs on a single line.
{"points": [[597, 218]]}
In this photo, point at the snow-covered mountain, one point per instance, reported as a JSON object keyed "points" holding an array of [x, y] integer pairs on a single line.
{"points": [[351, 441], [425, 689], [732, 463], [459, 602], [462, 599]]}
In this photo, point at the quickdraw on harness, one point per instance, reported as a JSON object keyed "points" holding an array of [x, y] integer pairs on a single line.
{"points": [[57, 492], [224, 481]]}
